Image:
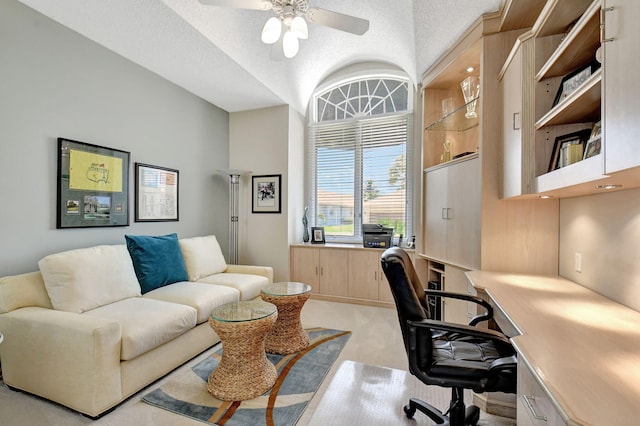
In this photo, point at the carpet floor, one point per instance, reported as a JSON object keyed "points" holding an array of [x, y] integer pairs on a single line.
{"points": [[299, 376]]}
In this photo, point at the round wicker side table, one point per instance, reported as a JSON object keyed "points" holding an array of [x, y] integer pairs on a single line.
{"points": [[287, 335], [244, 372]]}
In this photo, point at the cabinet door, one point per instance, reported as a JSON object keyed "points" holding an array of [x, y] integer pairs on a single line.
{"points": [[334, 272], [512, 128], [435, 229], [364, 271], [384, 292], [306, 267], [463, 214], [621, 129]]}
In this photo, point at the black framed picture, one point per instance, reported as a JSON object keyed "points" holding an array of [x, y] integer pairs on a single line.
{"points": [[92, 185], [156, 194], [573, 80], [568, 149], [317, 235], [266, 194]]}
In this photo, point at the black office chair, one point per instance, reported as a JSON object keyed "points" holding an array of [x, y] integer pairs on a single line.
{"points": [[450, 355]]}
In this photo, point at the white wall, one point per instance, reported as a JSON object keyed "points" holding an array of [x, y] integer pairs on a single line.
{"points": [[268, 141], [605, 229], [56, 83]]}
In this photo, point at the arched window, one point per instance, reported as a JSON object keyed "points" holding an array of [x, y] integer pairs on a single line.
{"points": [[359, 156]]}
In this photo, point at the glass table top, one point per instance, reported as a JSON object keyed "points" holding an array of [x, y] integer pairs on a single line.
{"points": [[286, 289], [249, 310]]}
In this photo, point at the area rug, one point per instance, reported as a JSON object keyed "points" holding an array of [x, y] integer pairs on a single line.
{"points": [[299, 376]]}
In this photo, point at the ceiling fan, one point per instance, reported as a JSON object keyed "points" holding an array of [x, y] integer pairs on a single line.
{"points": [[290, 23]]}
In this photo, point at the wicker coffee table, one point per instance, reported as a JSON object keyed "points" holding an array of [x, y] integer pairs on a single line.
{"points": [[244, 372], [287, 335]]}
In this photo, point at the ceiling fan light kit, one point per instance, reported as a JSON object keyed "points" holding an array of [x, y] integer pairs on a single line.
{"points": [[290, 16]]}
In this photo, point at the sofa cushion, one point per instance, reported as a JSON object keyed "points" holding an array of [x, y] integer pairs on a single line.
{"points": [[157, 260], [83, 279], [146, 323], [202, 297], [20, 291], [202, 256], [249, 285]]}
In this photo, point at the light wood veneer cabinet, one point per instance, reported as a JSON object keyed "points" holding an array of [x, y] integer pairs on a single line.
{"points": [[534, 406], [565, 38], [344, 273]]}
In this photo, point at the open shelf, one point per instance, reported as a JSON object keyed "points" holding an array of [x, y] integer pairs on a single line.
{"points": [[577, 48], [581, 106], [456, 120], [558, 14]]}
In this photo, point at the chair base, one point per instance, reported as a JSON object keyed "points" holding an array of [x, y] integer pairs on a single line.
{"points": [[458, 414]]}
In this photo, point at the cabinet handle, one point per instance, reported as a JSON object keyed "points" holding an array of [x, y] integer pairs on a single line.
{"points": [[603, 38], [528, 401], [443, 215], [375, 275], [449, 210], [316, 270], [516, 126]]}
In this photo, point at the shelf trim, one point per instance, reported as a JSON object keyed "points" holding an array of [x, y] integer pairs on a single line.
{"points": [[571, 37], [555, 112]]}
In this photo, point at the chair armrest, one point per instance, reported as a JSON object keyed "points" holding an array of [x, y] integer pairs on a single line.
{"points": [[469, 298], [69, 358], [460, 328], [265, 271]]}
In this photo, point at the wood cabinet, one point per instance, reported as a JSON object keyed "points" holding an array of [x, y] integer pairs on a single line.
{"points": [[452, 212], [534, 406], [465, 224], [566, 38], [342, 272], [325, 270], [621, 109]]}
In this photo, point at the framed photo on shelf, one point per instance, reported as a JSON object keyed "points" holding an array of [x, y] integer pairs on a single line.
{"points": [[156, 194], [317, 235], [266, 194], [573, 80], [568, 149], [92, 185], [593, 146]]}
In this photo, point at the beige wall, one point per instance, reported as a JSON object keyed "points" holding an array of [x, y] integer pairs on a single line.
{"points": [[268, 141], [605, 229]]}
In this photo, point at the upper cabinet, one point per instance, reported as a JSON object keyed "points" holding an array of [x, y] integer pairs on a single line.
{"points": [[575, 104]]}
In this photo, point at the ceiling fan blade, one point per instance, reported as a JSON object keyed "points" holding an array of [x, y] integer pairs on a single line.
{"points": [[339, 21], [240, 4]]}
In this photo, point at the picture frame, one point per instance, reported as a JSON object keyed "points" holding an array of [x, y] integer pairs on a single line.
{"points": [[92, 185], [562, 155], [156, 194], [317, 235], [573, 81], [266, 194], [594, 145]]}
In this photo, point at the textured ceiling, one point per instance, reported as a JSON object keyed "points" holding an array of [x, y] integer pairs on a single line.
{"points": [[216, 53]]}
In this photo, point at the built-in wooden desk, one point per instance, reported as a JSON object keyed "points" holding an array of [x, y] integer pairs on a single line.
{"points": [[581, 348]]}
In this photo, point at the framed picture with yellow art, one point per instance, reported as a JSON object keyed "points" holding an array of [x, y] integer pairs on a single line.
{"points": [[92, 185]]}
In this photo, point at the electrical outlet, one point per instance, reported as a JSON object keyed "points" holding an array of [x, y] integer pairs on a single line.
{"points": [[578, 262]]}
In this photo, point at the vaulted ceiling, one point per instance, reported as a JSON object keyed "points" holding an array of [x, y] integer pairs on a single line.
{"points": [[216, 53]]}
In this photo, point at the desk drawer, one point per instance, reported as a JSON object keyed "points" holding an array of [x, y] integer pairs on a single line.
{"points": [[534, 408]]}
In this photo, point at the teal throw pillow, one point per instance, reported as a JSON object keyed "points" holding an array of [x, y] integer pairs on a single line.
{"points": [[157, 260]]}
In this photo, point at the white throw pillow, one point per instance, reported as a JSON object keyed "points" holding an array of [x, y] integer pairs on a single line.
{"points": [[202, 256], [84, 279]]}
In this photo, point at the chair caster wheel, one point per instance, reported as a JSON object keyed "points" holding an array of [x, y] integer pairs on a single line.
{"points": [[409, 412], [472, 415]]}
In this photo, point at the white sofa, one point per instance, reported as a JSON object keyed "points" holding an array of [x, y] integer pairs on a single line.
{"points": [[82, 333]]}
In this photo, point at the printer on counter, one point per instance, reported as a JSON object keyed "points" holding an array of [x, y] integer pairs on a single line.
{"points": [[376, 236]]}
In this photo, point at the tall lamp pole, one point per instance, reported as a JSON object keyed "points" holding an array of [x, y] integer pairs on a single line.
{"points": [[234, 192]]}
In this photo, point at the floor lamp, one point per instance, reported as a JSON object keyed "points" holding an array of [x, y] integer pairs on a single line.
{"points": [[234, 192]]}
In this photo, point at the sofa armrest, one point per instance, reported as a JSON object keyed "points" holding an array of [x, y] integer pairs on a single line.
{"points": [[265, 271], [69, 358]]}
